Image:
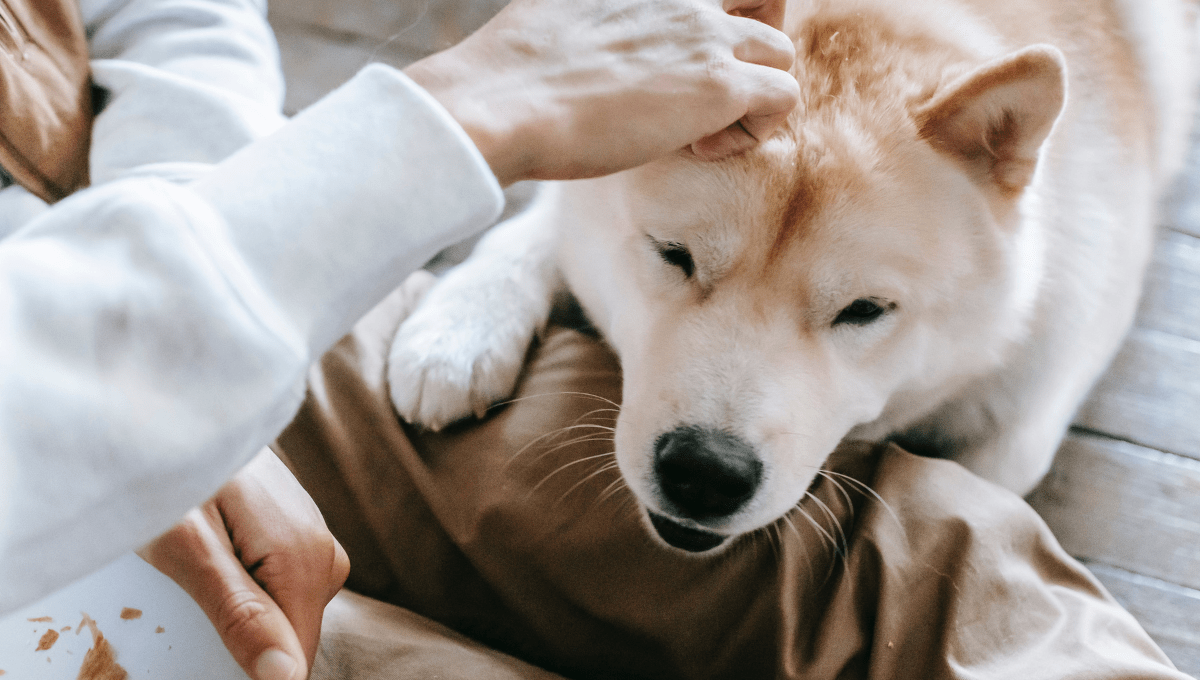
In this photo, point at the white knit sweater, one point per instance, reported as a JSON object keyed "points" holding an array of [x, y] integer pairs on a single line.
{"points": [[155, 328]]}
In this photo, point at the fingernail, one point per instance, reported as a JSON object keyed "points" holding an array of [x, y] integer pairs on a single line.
{"points": [[274, 664]]}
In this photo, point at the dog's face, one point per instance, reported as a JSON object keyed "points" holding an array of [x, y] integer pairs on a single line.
{"points": [[764, 306]]}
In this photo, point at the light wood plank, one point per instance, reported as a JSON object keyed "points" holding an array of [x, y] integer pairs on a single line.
{"points": [[1127, 506], [1150, 395], [1181, 207], [1169, 613], [1171, 298]]}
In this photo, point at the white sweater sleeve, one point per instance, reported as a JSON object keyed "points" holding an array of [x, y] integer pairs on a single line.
{"points": [[155, 336], [188, 81]]}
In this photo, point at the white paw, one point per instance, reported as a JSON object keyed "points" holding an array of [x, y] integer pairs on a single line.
{"points": [[462, 350]]}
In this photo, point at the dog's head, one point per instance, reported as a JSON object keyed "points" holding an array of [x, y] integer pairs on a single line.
{"points": [[852, 268]]}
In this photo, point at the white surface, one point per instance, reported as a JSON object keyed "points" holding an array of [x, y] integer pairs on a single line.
{"points": [[187, 648]]}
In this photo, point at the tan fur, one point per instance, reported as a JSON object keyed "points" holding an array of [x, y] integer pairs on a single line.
{"points": [[988, 171]]}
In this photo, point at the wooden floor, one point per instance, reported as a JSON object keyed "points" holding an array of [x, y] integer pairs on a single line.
{"points": [[1124, 495]]}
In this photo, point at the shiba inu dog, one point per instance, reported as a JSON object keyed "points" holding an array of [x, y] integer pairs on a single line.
{"points": [[945, 244]]}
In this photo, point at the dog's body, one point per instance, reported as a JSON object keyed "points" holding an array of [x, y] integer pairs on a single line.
{"points": [[945, 243]]}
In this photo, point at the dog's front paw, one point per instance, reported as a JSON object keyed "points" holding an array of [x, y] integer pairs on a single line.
{"points": [[439, 373], [458, 354]]}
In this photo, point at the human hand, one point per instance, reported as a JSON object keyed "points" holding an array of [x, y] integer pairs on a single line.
{"points": [[261, 563], [565, 90]]}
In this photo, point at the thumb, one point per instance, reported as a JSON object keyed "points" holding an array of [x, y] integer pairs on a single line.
{"points": [[200, 558], [728, 142]]}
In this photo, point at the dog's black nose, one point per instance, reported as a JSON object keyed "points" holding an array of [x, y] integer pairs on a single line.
{"points": [[706, 474]]}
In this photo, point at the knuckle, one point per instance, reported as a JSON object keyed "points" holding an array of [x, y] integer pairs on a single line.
{"points": [[718, 67], [173, 551], [340, 570], [187, 535], [240, 614], [693, 20], [336, 563], [784, 44], [774, 39], [312, 558], [785, 91]]}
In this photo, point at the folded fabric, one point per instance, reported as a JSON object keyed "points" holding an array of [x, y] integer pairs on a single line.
{"points": [[510, 548]]}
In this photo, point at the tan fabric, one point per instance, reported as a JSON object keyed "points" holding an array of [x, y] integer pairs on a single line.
{"points": [[370, 639], [538, 551], [45, 96]]}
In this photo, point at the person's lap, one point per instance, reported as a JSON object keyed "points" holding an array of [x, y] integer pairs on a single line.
{"points": [[517, 533]]}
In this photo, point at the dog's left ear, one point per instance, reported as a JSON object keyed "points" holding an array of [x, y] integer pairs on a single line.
{"points": [[994, 119]]}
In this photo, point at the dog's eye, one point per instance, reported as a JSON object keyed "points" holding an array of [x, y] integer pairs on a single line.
{"points": [[862, 312], [677, 255]]}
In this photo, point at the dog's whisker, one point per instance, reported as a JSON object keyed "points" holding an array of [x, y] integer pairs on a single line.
{"points": [[592, 431], [800, 537], [628, 505], [551, 435], [583, 426], [799, 544], [844, 547], [533, 442], [607, 467], [787, 519], [841, 489], [825, 534], [589, 395], [611, 490], [770, 535], [866, 490], [571, 464], [587, 426], [582, 439], [564, 393], [764, 536], [599, 410], [837, 552], [837, 526], [592, 418]]}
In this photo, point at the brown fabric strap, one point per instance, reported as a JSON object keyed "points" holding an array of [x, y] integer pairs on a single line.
{"points": [[45, 96]]}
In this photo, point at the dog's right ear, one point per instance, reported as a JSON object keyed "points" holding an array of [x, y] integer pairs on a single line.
{"points": [[994, 119]]}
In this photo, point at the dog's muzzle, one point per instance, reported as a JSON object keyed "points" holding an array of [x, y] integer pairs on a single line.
{"points": [[703, 475]]}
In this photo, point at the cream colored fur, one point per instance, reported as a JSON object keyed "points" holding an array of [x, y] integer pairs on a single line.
{"points": [[916, 172]]}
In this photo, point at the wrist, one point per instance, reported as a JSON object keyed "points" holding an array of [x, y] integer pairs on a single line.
{"points": [[461, 89]]}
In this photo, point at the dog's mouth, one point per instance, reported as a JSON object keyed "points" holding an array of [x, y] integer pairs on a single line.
{"points": [[685, 538]]}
